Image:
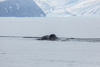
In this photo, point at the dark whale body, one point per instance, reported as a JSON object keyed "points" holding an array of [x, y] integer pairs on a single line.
{"points": [[49, 37]]}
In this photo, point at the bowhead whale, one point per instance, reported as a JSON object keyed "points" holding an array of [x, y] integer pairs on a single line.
{"points": [[49, 37]]}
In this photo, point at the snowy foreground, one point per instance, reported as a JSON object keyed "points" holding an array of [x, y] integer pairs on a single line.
{"points": [[21, 52]]}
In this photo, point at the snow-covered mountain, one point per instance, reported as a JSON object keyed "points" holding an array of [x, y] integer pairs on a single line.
{"points": [[20, 8], [70, 7], [2, 0]]}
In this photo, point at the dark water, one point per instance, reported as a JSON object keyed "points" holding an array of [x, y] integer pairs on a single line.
{"points": [[63, 39], [82, 39]]}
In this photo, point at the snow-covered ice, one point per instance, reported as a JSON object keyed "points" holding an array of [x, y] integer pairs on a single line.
{"points": [[65, 8], [20, 52]]}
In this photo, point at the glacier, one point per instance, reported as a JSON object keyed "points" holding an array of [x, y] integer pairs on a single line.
{"points": [[63, 8]]}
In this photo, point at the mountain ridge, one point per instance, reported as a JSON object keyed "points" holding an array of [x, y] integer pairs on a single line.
{"points": [[20, 8]]}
